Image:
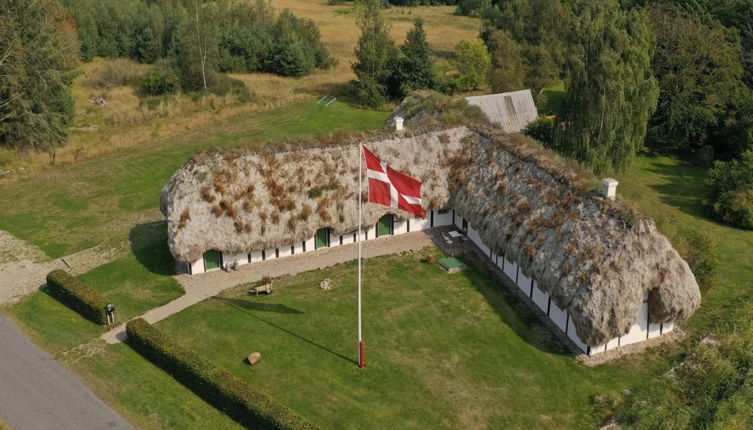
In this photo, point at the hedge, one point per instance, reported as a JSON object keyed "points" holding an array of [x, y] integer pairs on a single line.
{"points": [[77, 296], [213, 383]]}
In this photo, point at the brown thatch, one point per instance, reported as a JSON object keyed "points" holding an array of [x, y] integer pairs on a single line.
{"points": [[594, 257]]}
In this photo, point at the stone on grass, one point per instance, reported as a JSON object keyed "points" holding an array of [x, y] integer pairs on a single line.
{"points": [[254, 358], [325, 285]]}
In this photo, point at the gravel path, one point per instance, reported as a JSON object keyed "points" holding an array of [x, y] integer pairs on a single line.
{"points": [[25, 276], [200, 287], [37, 393]]}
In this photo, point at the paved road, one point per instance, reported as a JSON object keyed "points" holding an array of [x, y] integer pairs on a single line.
{"points": [[37, 393]]}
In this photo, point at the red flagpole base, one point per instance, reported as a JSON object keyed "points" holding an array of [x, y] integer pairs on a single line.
{"points": [[361, 356]]}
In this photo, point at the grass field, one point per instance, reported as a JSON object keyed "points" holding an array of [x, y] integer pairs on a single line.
{"points": [[74, 207], [443, 351], [667, 188], [126, 121]]}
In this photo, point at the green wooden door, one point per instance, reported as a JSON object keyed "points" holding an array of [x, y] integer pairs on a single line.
{"points": [[384, 226], [322, 238], [212, 259]]}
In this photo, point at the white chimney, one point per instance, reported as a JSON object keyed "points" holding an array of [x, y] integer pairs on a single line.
{"points": [[609, 188], [399, 123]]}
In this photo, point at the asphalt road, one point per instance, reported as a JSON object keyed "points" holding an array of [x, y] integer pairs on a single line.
{"points": [[37, 393]]}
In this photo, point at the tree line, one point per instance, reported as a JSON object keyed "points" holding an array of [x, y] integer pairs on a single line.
{"points": [[190, 43], [674, 75]]}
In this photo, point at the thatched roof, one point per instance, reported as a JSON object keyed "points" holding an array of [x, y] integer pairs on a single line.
{"points": [[594, 257]]}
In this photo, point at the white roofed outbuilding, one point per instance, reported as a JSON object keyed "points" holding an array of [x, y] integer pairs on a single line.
{"points": [[512, 111]]}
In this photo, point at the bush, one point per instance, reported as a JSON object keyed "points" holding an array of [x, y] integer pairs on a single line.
{"points": [[114, 73], [160, 79], [77, 296], [542, 129], [211, 382], [732, 193]]}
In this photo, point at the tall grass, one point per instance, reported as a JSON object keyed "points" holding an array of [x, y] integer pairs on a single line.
{"points": [[114, 73]]}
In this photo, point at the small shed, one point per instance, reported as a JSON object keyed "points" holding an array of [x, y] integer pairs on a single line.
{"points": [[511, 111]]}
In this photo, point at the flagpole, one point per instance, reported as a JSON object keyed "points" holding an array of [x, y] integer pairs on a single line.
{"points": [[361, 358]]}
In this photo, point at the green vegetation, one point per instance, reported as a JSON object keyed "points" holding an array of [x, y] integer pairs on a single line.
{"points": [[78, 296], [38, 50], [732, 191], [610, 92], [473, 63], [110, 192], [460, 347], [213, 383], [414, 67], [375, 54]]}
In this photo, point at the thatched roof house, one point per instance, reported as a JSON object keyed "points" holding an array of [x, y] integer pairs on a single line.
{"points": [[594, 258]]}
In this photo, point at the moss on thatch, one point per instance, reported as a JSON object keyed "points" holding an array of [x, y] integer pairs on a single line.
{"points": [[595, 258]]}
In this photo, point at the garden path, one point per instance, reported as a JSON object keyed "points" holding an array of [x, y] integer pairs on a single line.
{"points": [[203, 286], [23, 268]]}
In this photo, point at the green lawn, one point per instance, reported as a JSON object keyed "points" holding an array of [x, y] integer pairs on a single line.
{"points": [[70, 208], [443, 351]]}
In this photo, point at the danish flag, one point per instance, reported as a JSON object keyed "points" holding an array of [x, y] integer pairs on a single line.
{"points": [[391, 188]]}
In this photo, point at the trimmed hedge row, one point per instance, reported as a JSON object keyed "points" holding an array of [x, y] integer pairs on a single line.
{"points": [[213, 383], [77, 296]]}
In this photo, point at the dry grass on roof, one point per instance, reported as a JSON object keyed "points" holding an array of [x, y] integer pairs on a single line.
{"points": [[594, 257]]}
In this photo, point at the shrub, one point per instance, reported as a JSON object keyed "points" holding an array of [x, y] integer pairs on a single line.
{"points": [[77, 296], [214, 384], [542, 129], [732, 193], [160, 79]]}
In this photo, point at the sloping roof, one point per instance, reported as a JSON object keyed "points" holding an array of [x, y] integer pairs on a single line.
{"points": [[594, 257], [511, 111]]}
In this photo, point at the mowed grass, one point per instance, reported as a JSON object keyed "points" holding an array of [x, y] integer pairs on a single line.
{"points": [[442, 351], [70, 208]]}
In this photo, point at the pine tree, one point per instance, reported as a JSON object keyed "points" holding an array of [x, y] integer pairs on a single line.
{"points": [[374, 54], [414, 69], [38, 48], [610, 89]]}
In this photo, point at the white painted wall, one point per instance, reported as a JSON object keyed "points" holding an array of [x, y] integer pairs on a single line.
{"points": [[444, 219], [255, 256], [229, 259], [540, 298], [511, 269], [349, 238], [418, 224], [270, 254], [639, 330], [524, 283], [399, 226], [285, 251], [612, 344], [458, 220], [298, 247], [667, 327], [654, 330], [334, 240], [310, 244], [197, 266], [557, 315]]}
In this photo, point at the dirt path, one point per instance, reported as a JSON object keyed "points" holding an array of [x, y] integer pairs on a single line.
{"points": [[200, 287], [23, 268]]}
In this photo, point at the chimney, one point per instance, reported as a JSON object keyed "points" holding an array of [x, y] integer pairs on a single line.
{"points": [[399, 123], [609, 188]]}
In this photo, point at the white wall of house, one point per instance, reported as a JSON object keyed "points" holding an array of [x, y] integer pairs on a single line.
{"points": [[270, 254], [442, 218], [229, 259], [197, 266], [418, 223], [334, 240], [284, 251], [399, 226]]}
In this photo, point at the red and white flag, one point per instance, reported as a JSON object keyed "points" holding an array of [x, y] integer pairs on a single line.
{"points": [[391, 188]]}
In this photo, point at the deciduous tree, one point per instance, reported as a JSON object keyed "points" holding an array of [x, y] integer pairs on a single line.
{"points": [[610, 89]]}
